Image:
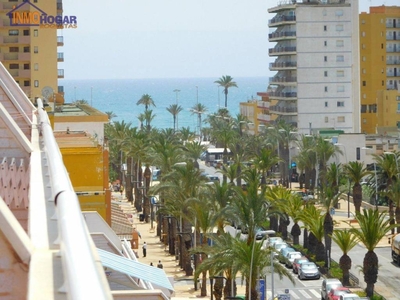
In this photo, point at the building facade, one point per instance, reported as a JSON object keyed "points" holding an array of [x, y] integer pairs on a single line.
{"points": [[316, 85], [256, 112], [28, 49], [380, 68]]}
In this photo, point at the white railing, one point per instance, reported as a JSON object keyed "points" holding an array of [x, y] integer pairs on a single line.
{"points": [[83, 278]]}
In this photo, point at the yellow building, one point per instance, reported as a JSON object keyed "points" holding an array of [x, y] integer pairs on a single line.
{"points": [[380, 68], [79, 132], [257, 113], [28, 45]]}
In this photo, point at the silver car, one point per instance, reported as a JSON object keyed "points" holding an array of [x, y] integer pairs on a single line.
{"points": [[308, 270]]}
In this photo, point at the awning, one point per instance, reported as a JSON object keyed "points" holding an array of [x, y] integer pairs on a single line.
{"points": [[135, 269]]}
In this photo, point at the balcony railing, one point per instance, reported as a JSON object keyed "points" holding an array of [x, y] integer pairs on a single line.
{"points": [[60, 56], [283, 79], [263, 104], [280, 19], [60, 89], [60, 41], [10, 39], [283, 94], [393, 50], [393, 62], [263, 117], [283, 109], [281, 34], [283, 64], [282, 50], [60, 73]]}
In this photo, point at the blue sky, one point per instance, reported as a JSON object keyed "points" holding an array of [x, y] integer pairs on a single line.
{"points": [[170, 38]]}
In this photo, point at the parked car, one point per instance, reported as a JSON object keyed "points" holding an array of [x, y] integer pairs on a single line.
{"points": [[349, 297], [278, 246], [308, 270], [273, 240], [290, 257], [334, 294], [297, 262], [283, 252], [213, 178], [327, 285]]}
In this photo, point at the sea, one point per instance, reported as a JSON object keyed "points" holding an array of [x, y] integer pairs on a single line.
{"points": [[121, 95]]}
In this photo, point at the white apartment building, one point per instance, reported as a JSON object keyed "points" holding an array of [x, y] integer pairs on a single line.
{"points": [[317, 62]]}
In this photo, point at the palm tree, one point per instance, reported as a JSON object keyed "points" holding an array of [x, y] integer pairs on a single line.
{"points": [[324, 150], [393, 193], [110, 115], [226, 82], [346, 241], [356, 171], [149, 116], [294, 207], [146, 100], [199, 109], [307, 158], [193, 151], [174, 110], [373, 227], [314, 221]]}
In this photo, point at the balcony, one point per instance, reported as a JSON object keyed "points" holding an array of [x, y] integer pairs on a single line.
{"points": [[20, 73], [393, 62], [10, 40], [7, 6], [283, 65], [395, 50], [60, 89], [283, 95], [289, 50], [282, 35], [263, 117], [286, 111], [60, 41], [60, 73], [263, 104], [278, 20], [283, 80], [60, 56]]}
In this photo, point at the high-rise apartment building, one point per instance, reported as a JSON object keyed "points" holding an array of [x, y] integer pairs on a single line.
{"points": [[380, 69], [317, 62], [28, 45]]}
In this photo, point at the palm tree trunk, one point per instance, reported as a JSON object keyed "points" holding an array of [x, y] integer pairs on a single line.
{"points": [[345, 265], [295, 232], [320, 251], [357, 197], [305, 238], [328, 230], [370, 266], [146, 204], [397, 213], [129, 183]]}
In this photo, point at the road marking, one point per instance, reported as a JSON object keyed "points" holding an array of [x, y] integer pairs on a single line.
{"points": [[294, 294], [305, 294], [315, 293]]}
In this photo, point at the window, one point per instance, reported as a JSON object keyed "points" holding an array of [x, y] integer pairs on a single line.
{"points": [[26, 32], [364, 71], [14, 49], [365, 96], [363, 108], [372, 108], [326, 119], [339, 43], [36, 67], [340, 104], [340, 88], [363, 34], [365, 121], [381, 46], [340, 58], [363, 46], [35, 32], [383, 83], [325, 73], [340, 73], [36, 49], [341, 119], [325, 43], [364, 83], [14, 66], [36, 82], [324, 12], [362, 21], [27, 83], [13, 32], [339, 13], [27, 49], [27, 67], [326, 89], [325, 28], [339, 27], [326, 103], [325, 58], [364, 58]]}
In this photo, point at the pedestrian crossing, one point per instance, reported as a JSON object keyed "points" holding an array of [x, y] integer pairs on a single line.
{"points": [[298, 294]]}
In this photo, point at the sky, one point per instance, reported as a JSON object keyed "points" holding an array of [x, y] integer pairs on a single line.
{"points": [[129, 39]]}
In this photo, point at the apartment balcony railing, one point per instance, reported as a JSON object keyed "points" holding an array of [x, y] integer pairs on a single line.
{"points": [[281, 50], [283, 79], [283, 94], [60, 41], [281, 19], [283, 64], [286, 110], [263, 104], [60, 89], [393, 38], [281, 34], [391, 74], [393, 50], [60, 73], [393, 62], [20, 73], [60, 56], [7, 6], [263, 117], [10, 39]]}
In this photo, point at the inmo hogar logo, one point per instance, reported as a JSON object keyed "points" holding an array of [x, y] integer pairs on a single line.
{"points": [[28, 14]]}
